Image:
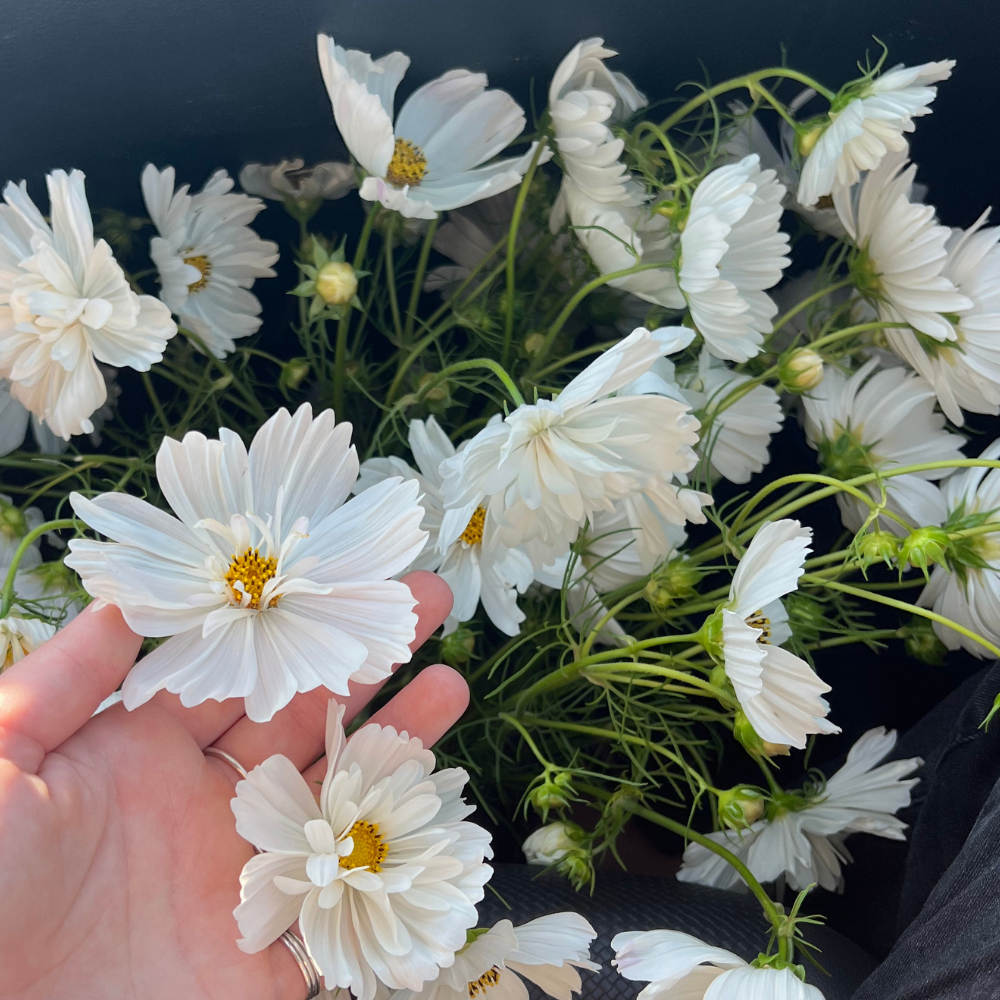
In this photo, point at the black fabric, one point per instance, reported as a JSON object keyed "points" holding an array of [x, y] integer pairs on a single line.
{"points": [[624, 902]]}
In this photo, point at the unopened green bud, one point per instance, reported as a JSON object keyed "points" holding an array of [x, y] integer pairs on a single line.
{"points": [[439, 392], [807, 617], [55, 577], [555, 792], [292, 373], [923, 547], [752, 743], [676, 580], [800, 371], [921, 642], [12, 521], [336, 283], [457, 647], [878, 546], [740, 807], [533, 344]]}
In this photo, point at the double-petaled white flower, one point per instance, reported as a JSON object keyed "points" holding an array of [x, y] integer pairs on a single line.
{"points": [[267, 582], [434, 156], [678, 966], [778, 692], [901, 252], [869, 125], [546, 951], [382, 874], [548, 466], [21, 635], [208, 256], [476, 565], [803, 836], [874, 421], [732, 250], [65, 304]]}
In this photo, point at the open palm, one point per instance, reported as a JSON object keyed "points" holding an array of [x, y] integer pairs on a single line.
{"points": [[119, 857]]}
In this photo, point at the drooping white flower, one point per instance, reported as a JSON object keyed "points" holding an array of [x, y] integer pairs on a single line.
{"points": [[267, 581], [382, 874], [548, 466], [208, 256], [434, 158], [65, 304], [874, 421], [21, 635], [902, 251], [681, 967], [870, 125], [476, 565], [546, 951], [732, 250], [548, 844], [292, 180], [965, 373], [805, 843], [968, 591], [779, 693]]}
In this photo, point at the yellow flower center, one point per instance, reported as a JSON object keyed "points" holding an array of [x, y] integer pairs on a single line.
{"points": [[489, 978], [759, 620], [204, 267], [408, 164], [369, 850], [252, 570], [473, 533]]}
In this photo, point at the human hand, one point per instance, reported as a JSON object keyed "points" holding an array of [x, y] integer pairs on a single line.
{"points": [[119, 857]]}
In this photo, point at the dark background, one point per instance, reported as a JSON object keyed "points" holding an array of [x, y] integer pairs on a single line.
{"points": [[107, 85]]}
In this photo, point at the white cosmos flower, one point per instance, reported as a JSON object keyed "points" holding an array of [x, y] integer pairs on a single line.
{"points": [[292, 180], [548, 844], [549, 466], [732, 249], [476, 565], [863, 131], [65, 304], [21, 635], [382, 874], [681, 967], [546, 951], [969, 595], [874, 421], [432, 159], [806, 843], [267, 581], [965, 373], [779, 693], [207, 255], [902, 251]]}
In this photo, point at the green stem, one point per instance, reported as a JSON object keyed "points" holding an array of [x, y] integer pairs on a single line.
{"points": [[155, 400], [8, 586], [418, 278], [780, 322], [390, 278]]}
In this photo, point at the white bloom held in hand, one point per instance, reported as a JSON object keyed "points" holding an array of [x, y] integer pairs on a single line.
{"points": [[732, 250], [208, 256], [432, 159], [65, 304], [383, 873], [681, 967], [779, 693], [267, 581], [546, 951], [806, 843], [476, 565], [20, 636], [869, 126]]}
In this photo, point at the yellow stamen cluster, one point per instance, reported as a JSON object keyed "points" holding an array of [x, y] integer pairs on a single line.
{"points": [[473, 533], [252, 570], [759, 620], [369, 850], [489, 978], [204, 267], [407, 166]]}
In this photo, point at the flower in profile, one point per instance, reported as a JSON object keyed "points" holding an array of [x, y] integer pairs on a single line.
{"points": [[867, 121], [267, 582], [546, 951], [901, 251], [732, 249], [292, 181], [542, 471], [382, 874], [802, 836], [873, 421], [434, 157], [678, 966], [476, 565], [65, 304], [964, 372], [21, 635], [778, 692], [207, 255]]}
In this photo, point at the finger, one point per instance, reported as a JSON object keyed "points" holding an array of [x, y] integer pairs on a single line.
{"points": [[51, 693], [298, 730], [426, 708]]}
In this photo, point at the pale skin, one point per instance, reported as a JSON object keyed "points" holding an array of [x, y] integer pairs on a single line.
{"points": [[119, 857]]}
